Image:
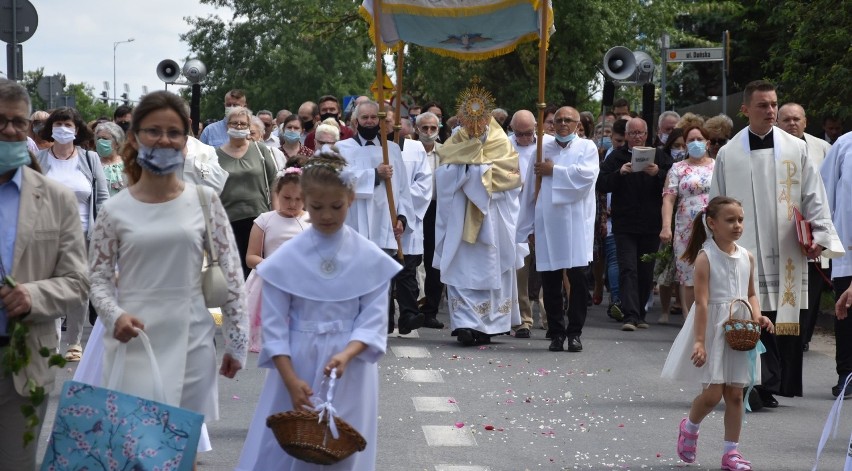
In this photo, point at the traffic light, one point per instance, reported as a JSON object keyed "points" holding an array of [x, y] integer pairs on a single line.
{"points": [[124, 99], [104, 96]]}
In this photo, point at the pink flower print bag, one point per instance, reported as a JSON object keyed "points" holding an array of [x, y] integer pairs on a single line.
{"points": [[100, 428]]}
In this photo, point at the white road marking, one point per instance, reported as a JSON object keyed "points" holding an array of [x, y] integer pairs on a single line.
{"points": [[434, 404], [423, 376], [447, 435], [452, 467], [411, 352]]}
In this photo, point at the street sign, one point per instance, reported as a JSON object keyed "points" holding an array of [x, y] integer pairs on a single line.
{"points": [[701, 54], [49, 89], [26, 20]]}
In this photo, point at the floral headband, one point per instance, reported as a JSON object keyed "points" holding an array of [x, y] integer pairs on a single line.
{"points": [[347, 176], [289, 171]]}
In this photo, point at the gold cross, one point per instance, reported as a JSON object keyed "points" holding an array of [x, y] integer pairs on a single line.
{"points": [[788, 183]]}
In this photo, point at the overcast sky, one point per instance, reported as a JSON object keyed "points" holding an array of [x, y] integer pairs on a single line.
{"points": [[76, 39]]}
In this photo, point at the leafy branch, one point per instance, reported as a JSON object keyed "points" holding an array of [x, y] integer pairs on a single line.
{"points": [[16, 358]]}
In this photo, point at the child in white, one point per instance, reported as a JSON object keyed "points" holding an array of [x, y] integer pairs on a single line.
{"points": [[325, 306], [270, 230], [724, 271]]}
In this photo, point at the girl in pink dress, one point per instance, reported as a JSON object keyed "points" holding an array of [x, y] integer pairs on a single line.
{"points": [[270, 230]]}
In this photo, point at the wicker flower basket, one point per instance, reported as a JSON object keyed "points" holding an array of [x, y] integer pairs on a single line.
{"points": [[303, 436], [741, 334]]}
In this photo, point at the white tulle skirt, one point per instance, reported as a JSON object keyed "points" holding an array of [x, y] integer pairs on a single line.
{"points": [[724, 365]]}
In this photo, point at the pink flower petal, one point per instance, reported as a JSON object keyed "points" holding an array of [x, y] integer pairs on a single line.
{"points": [[459, 424], [489, 427]]}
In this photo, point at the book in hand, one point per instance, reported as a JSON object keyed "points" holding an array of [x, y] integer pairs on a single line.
{"points": [[642, 157], [803, 229]]}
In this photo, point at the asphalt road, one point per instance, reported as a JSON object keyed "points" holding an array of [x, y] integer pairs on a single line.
{"points": [[513, 406]]}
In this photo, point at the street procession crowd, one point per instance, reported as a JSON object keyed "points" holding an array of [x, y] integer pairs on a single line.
{"points": [[324, 222]]}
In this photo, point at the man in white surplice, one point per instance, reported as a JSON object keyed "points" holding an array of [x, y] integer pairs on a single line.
{"points": [[369, 213], [524, 141], [562, 219], [791, 118], [478, 182], [836, 173], [770, 172]]}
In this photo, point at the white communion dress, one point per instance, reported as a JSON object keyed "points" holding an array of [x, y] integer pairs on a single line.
{"points": [[729, 277], [158, 251], [311, 314]]}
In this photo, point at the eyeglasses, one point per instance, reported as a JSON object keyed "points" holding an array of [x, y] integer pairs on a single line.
{"points": [[637, 133], [156, 134], [524, 134], [18, 123], [565, 121], [717, 142], [426, 128], [238, 125]]}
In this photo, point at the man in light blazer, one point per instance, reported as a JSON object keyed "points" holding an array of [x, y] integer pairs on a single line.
{"points": [[42, 267]]}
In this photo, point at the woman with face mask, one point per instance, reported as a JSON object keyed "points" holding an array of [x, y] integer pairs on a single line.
{"points": [[688, 184], [251, 171], [81, 172], [108, 141], [290, 134], [157, 225]]}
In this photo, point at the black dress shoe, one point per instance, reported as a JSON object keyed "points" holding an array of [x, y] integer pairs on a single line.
{"points": [[465, 337], [574, 344], [409, 322], [806, 346], [481, 339], [754, 402], [767, 399], [556, 345], [433, 323], [522, 333]]}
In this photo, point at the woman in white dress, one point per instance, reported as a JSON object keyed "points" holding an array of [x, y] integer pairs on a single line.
{"points": [[325, 306], [154, 232]]}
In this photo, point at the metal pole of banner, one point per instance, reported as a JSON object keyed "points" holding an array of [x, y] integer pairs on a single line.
{"points": [[541, 105], [397, 124], [725, 45], [377, 6], [664, 66]]}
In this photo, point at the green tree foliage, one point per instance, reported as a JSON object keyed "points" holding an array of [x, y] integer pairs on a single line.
{"points": [[281, 52], [82, 95], [813, 63]]}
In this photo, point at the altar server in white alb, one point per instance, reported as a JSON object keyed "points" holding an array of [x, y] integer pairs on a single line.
{"points": [[369, 213], [562, 218], [419, 174], [325, 301], [478, 183], [769, 171]]}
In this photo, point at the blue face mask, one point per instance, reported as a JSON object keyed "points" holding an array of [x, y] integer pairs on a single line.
{"points": [[13, 155], [104, 147], [697, 149], [567, 138], [678, 155], [160, 160], [606, 142], [291, 136]]}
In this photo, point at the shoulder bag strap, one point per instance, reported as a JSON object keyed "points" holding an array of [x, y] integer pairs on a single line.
{"points": [[205, 208], [265, 175]]}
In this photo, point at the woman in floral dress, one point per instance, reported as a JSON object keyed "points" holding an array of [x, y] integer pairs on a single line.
{"points": [[688, 185]]}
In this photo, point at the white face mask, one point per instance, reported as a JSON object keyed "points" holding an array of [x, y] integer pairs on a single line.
{"points": [[429, 138], [239, 133], [63, 135]]}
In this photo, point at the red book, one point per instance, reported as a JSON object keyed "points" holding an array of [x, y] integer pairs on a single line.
{"points": [[803, 228]]}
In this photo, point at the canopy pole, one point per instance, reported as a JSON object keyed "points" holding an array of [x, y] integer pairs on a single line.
{"points": [[377, 6], [397, 125], [542, 59]]}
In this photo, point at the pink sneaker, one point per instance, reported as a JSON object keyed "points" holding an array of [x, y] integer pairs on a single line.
{"points": [[686, 451], [734, 461]]}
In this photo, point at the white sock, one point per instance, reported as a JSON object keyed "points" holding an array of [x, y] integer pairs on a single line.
{"points": [[693, 428], [730, 446]]}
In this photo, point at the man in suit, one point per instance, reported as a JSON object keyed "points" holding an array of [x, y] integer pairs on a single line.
{"points": [[42, 268]]}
